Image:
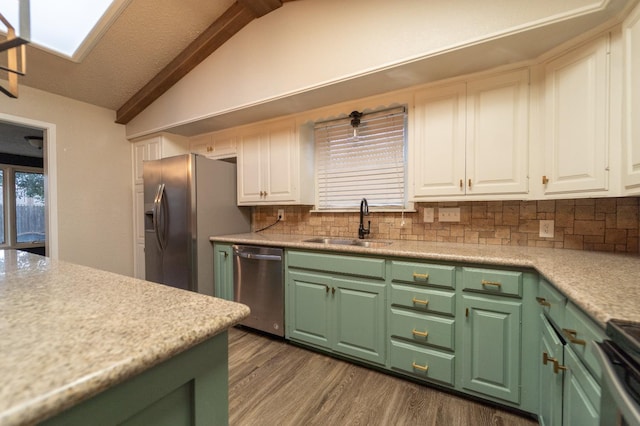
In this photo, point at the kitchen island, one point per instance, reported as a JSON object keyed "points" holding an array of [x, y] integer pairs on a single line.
{"points": [[80, 342]]}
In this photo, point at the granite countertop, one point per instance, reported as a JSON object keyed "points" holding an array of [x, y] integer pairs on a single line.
{"points": [[604, 285], [70, 332]]}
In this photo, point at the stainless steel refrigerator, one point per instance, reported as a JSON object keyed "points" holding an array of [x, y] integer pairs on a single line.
{"points": [[187, 199]]}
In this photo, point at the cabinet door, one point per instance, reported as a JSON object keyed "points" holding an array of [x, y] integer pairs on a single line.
{"points": [[577, 111], [581, 394], [308, 317], [250, 168], [279, 167], [438, 147], [222, 272], [631, 157], [359, 319], [550, 396], [497, 134], [492, 342]]}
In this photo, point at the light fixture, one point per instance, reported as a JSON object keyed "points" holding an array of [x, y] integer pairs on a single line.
{"points": [[355, 122], [14, 45], [34, 141]]}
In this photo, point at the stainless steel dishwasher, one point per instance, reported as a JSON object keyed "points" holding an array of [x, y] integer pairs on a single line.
{"points": [[258, 283]]}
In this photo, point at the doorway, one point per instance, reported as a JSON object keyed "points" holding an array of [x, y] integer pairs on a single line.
{"points": [[27, 186]]}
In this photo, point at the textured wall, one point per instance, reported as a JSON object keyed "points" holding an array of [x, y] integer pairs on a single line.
{"points": [[602, 224]]}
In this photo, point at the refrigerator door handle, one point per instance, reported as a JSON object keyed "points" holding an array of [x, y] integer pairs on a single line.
{"points": [[157, 206]]}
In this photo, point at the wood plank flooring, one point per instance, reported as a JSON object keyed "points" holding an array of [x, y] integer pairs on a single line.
{"points": [[272, 382]]}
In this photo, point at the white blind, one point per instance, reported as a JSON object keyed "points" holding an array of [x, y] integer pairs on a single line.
{"points": [[369, 165]]}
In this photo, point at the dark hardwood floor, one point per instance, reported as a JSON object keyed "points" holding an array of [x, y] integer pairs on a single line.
{"points": [[272, 382]]}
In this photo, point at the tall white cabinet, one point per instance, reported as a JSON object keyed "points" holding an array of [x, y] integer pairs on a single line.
{"points": [[471, 138], [576, 153], [631, 108], [148, 148]]}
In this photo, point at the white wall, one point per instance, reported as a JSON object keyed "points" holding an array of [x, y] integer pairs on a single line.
{"points": [[309, 44], [93, 171]]}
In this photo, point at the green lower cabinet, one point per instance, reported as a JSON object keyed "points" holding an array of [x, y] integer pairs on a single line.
{"points": [[191, 388], [492, 347], [223, 271], [551, 353], [423, 362], [342, 314], [581, 393]]}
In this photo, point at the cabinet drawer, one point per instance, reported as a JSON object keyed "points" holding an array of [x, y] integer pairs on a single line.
{"points": [[351, 265], [423, 274], [580, 333], [492, 281], [422, 328], [423, 299], [422, 362], [552, 302]]}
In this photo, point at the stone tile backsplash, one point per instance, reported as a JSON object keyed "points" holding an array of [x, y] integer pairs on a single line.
{"points": [[600, 224]]}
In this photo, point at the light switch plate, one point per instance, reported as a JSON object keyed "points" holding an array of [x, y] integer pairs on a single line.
{"points": [[428, 215], [546, 229], [449, 214]]}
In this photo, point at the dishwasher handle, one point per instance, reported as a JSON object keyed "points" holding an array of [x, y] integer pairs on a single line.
{"points": [[256, 256]]}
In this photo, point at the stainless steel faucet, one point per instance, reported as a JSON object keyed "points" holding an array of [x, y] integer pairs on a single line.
{"points": [[364, 211]]}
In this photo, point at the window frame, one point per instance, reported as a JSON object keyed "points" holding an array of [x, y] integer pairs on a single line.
{"points": [[9, 202], [407, 205]]}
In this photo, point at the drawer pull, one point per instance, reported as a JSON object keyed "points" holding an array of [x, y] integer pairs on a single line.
{"points": [[417, 276], [326, 288], [420, 367], [420, 302], [556, 365], [572, 336], [493, 283], [419, 333], [543, 302]]}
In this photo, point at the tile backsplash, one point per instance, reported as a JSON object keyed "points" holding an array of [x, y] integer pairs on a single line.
{"points": [[600, 224]]}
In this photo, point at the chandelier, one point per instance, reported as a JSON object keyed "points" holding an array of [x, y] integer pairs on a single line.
{"points": [[14, 46]]}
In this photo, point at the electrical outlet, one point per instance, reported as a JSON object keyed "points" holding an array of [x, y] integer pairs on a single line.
{"points": [[428, 215], [546, 228], [449, 214], [281, 215]]}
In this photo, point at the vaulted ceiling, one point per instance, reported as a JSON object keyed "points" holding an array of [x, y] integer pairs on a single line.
{"points": [[148, 48]]}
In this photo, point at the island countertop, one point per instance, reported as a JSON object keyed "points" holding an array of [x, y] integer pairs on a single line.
{"points": [[70, 332], [604, 285]]}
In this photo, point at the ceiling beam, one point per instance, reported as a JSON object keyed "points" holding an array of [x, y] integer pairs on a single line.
{"points": [[236, 17], [260, 7]]}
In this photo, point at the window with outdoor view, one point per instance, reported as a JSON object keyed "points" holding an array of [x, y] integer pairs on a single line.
{"points": [[22, 207], [29, 197]]}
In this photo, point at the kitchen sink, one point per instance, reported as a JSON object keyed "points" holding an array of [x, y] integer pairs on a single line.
{"points": [[349, 242]]}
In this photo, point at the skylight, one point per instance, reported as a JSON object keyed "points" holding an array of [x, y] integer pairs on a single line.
{"points": [[68, 28]]}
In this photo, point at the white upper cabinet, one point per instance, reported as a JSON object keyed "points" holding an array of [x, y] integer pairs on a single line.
{"points": [[498, 134], [273, 167], [438, 149], [576, 153], [214, 145], [631, 108], [472, 138]]}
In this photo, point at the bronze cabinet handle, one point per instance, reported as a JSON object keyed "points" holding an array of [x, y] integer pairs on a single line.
{"points": [[419, 367], [545, 180], [556, 365], [417, 276], [493, 283], [572, 335], [542, 301], [419, 333], [421, 302]]}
